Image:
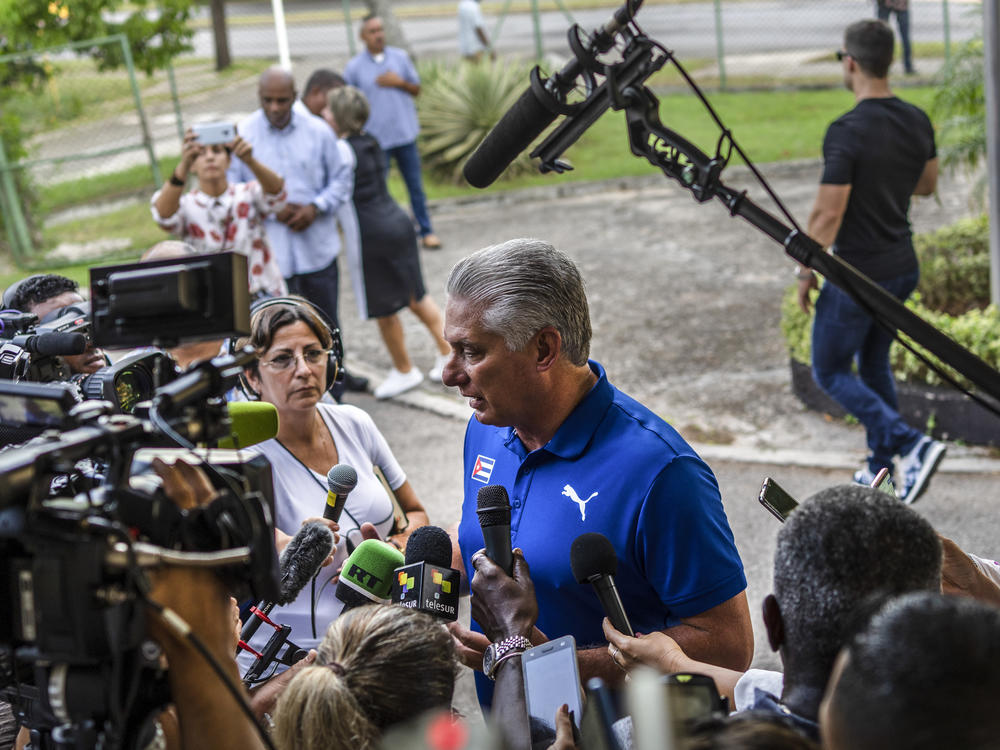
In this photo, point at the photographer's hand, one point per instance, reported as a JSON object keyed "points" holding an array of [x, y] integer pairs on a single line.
{"points": [[185, 484]]}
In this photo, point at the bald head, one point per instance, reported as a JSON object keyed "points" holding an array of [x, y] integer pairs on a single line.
{"points": [[276, 91], [169, 249]]}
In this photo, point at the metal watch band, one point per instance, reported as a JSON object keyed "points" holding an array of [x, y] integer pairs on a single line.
{"points": [[504, 649]]}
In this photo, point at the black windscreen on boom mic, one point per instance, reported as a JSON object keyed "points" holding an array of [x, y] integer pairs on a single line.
{"points": [[493, 509], [56, 344], [519, 126], [297, 565], [593, 560], [427, 582]]}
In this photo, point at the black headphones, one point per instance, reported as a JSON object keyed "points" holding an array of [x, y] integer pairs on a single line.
{"points": [[334, 368]]}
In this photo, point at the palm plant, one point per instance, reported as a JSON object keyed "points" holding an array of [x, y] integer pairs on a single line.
{"points": [[960, 108], [459, 105]]}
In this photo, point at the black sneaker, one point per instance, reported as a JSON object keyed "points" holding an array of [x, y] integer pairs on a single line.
{"points": [[917, 467], [355, 383]]}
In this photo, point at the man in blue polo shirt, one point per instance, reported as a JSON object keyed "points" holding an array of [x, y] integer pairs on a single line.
{"points": [[389, 80], [576, 455]]}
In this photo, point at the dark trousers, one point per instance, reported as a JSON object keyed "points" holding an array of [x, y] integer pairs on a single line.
{"points": [[844, 333], [321, 288], [903, 21], [408, 160]]}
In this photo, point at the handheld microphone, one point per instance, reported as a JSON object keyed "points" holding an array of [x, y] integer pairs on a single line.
{"points": [[427, 582], [56, 343], [366, 577], [493, 509], [539, 105], [297, 565], [593, 560], [252, 422], [341, 479]]}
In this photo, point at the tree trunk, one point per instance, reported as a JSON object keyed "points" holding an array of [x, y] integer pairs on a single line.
{"points": [[222, 57]]}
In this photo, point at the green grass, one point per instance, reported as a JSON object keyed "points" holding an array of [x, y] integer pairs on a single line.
{"points": [[132, 222], [769, 126], [131, 181]]}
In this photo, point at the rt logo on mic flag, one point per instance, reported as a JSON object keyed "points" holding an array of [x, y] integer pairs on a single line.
{"points": [[483, 469]]}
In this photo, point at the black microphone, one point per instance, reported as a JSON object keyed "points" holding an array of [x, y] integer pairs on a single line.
{"points": [[341, 479], [593, 560], [297, 565], [56, 343], [493, 509], [427, 582], [537, 107]]}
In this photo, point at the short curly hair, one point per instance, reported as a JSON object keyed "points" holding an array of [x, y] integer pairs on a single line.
{"points": [[33, 290]]}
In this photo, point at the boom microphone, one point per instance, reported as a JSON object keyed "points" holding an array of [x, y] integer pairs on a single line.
{"points": [[56, 343], [297, 565], [493, 509], [252, 422], [538, 106], [366, 577], [593, 560], [341, 479], [427, 582]]}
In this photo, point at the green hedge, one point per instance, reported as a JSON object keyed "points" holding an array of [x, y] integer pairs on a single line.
{"points": [[954, 275]]}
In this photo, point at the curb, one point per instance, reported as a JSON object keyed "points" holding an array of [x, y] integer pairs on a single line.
{"points": [[443, 404]]}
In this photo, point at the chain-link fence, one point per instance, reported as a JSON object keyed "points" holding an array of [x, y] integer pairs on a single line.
{"points": [[725, 42]]}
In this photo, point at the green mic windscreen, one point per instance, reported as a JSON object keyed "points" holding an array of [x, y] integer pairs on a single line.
{"points": [[253, 422], [369, 570]]}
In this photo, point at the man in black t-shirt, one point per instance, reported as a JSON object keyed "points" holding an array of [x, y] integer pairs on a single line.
{"points": [[874, 158]]}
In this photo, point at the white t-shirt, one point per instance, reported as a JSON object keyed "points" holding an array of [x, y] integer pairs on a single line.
{"points": [[300, 493], [470, 18]]}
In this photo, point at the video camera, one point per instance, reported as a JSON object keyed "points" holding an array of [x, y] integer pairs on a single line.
{"points": [[75, 659]]}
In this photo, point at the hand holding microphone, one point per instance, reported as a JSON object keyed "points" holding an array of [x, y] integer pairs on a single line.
{"points": [[503, 605]]}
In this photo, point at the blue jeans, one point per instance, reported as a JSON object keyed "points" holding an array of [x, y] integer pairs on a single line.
{"points": [[408, 160], [842, 333], [903, 21]]}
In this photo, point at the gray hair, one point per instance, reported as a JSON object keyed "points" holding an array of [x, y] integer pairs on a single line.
{"points": [[350, 109], [521, 286], [840, 549]]}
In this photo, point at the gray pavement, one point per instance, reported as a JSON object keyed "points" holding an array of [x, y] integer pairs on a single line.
{"points": [[685, 303]]}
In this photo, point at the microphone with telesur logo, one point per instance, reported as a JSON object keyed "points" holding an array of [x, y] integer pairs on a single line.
{"points": [[427, 582]]}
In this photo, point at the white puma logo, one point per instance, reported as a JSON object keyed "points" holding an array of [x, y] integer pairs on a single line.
{"points": [[571, 494]]}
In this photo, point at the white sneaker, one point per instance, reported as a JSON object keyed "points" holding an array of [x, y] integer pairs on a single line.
{"points": [[398, 382], [437, 371], [918, 465]]}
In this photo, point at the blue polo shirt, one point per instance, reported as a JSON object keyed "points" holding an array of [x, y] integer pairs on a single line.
{"points": [[393, 119], [616, 468]]}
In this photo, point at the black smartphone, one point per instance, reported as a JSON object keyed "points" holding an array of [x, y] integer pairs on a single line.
{"points": [[778, 502], [694, 697], [551, 678]]}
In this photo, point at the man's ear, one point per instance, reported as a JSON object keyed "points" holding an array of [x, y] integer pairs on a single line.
{"points": [[773, 623], [548, 347]]}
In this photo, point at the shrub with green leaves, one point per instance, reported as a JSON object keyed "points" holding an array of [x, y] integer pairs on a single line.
{"points": [[953, 296], [459, 104]]}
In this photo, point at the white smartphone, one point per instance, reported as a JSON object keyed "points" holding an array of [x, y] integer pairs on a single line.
{"points": [[551, 678], [214, 132]]}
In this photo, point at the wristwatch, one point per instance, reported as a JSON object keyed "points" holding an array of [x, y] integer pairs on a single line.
{"points": [[497, 652]]}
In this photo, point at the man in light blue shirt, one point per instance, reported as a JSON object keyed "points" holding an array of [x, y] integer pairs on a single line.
{"points": [[389, 80], [303, 149]]}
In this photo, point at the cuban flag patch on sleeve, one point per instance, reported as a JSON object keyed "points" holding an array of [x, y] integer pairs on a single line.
{"points": [[483, 469]]}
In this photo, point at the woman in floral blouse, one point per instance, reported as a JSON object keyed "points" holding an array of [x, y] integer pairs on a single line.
{"points": [[219, 216]]}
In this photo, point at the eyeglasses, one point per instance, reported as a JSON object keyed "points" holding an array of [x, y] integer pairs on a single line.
{"points": [[841, 54], [311, 357]]}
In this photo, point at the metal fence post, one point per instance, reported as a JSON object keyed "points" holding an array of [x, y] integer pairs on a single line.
{"points": [[720, 51], [348, 26], [147, 138], [13, 216], [536, 22], [177, 100], [947, 30]]}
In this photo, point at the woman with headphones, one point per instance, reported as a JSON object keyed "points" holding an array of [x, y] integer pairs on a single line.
{"points": [[298, 360]]}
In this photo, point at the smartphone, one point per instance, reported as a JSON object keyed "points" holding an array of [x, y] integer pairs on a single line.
{"points": [[883, 482], [214, 132], [694, 697], [551, 678], [776, 500]]}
